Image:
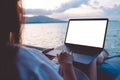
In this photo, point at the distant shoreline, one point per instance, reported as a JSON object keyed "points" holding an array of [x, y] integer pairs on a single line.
{"points": [[43, 22], [61, 22]]}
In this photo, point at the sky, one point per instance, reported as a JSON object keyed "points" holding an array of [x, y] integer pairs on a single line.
{"points": [[65, 9]]}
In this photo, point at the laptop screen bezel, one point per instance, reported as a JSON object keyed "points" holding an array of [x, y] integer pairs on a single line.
{"points": [[87, 20]]}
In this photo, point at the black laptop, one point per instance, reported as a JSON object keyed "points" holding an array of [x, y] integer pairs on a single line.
{"points": [[85, 38]]}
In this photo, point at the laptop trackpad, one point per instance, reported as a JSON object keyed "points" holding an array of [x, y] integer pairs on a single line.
{"points": [[81, 58]]}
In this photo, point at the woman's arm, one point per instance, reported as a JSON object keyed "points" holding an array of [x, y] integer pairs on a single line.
{"points": [[68, 72], [65, 61], [92, 70]]}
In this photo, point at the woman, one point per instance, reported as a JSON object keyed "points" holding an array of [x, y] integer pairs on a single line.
{"points": [[21, 63]]}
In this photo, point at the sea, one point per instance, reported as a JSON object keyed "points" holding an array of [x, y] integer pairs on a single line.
{"points": [[51, 35]]}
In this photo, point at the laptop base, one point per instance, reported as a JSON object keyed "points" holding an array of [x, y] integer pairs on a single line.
{"points": [[77, 57]]}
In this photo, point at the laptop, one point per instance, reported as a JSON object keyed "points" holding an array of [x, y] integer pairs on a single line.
{"points": [[85, 38]]}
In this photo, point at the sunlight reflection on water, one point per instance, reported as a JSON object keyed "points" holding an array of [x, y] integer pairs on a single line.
{"points": [[44, 35]]}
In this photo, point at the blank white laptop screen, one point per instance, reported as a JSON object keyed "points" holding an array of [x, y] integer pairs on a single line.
{"points": [[86, 32]]}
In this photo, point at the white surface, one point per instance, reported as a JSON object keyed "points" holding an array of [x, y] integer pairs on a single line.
{"points": [[90, 33]]}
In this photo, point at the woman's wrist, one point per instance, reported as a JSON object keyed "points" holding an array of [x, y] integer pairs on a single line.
{"points": [[67, 65]]}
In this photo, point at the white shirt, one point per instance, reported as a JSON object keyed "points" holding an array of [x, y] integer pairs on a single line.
{"points": [[33, 65]]}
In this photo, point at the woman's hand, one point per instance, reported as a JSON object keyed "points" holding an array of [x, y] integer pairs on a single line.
{"points": [[65, 58]]}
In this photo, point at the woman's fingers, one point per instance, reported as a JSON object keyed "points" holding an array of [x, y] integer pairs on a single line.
{"points": [[65, 57]]}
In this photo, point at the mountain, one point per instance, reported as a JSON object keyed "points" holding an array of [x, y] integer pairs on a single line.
{"points": [[42, 19]]}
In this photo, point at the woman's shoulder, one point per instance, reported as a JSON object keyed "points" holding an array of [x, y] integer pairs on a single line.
{"points": [[28, 51], [31, 55]]}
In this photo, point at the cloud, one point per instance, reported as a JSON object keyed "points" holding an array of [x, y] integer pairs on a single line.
{"points": [[71, 4], [61, 7], [38, 12], [84, 10], [104, 3], [43, 4], [111, 8], [79, 12], [79, 9]]}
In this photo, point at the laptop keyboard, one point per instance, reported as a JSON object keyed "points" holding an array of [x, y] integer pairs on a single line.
{"points": [[62, 47], [54, 52]]}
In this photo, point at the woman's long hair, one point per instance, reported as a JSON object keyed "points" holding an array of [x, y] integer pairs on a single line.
{"points": [[11, 21], [15, 35]]}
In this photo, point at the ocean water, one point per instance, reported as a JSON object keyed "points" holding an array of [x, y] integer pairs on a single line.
{"points": [[51, 35]]}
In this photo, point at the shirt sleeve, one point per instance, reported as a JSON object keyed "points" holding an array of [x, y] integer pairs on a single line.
{"points": [[33, 65]]}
